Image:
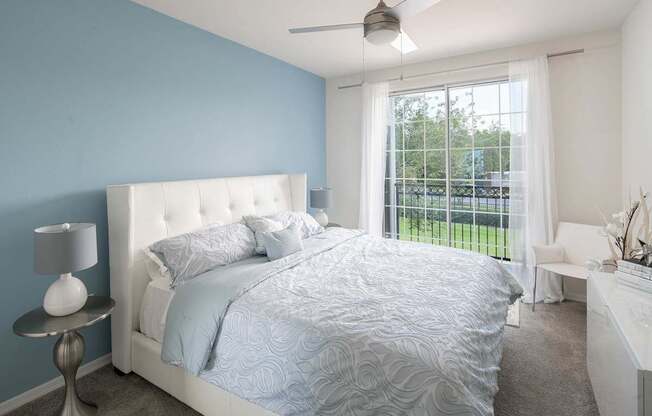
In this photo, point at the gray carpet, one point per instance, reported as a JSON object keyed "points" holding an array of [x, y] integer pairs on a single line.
{"points": [[544, 364], [543, 373]]}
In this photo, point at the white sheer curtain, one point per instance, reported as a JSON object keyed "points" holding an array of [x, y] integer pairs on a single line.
{"points": [[375, 110], [533, 195]]}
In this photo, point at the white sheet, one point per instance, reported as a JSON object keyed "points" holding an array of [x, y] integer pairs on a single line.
{"points": [[154, 308]]}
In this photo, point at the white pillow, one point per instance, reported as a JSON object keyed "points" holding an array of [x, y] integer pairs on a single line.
{"points": [[189, 255], [155, 268], [307, 224], [260, 225]]}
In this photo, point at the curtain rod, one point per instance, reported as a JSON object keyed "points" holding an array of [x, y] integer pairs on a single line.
{"points": [[466, 68]]}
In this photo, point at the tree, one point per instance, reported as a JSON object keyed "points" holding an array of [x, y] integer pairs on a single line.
{"points": [[420, 125]]}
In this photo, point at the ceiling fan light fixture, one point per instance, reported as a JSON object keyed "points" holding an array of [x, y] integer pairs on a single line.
{"points": [[382, 36]]}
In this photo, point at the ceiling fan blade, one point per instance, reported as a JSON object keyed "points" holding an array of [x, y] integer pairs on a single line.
{"points": [[325, 28], [409, 8], [403, 43]]}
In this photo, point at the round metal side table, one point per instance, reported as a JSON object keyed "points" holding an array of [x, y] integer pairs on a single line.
{"points": [[69, 349]]}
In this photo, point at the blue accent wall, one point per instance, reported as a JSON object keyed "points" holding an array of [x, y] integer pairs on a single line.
{"points": [[99, 92]]}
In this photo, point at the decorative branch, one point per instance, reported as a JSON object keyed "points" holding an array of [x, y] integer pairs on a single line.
{"points": [[618, 231]]}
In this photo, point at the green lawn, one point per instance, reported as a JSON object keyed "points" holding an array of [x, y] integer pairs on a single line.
{"points": [[489, 240]]}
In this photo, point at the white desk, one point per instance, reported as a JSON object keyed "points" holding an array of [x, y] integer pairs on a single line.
{"points": [[619, 346]]}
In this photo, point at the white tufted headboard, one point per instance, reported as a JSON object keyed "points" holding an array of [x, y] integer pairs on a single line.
{"points": [[140, 214]]}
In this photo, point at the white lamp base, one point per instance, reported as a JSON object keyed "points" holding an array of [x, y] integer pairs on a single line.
{"points": [[321, 217], [65, 296]]}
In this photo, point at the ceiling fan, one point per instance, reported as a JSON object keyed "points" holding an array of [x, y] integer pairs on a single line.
{"points": [[382, 24]]}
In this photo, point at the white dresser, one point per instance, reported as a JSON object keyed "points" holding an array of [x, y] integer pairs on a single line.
{"points": [[619, 346]]}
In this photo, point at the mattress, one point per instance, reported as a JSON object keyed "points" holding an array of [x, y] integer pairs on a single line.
{"points": [[154, 308]]}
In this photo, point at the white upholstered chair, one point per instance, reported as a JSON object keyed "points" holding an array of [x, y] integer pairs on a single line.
{"points": [[574, 245]]}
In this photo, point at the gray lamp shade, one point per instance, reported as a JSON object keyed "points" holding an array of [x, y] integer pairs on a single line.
{"points": [[321, 198], [64, 248]]}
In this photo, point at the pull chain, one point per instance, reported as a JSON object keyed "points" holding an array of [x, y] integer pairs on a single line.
{"points": [[364, 77], [401, 55]]}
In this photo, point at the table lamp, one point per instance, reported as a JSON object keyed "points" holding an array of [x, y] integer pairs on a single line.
{"points": [[320, 199], [63, 249]]}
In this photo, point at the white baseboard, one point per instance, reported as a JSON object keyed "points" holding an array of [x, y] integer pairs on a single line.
{"points": [[38, 391]]}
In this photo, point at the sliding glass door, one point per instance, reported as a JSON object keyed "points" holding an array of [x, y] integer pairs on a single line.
{"points": [[447, 176]]}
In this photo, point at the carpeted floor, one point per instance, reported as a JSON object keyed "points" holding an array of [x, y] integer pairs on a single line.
{"points": [[543, 374]]}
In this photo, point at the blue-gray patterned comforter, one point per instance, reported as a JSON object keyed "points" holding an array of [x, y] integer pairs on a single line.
{"points": [[352, 325]]}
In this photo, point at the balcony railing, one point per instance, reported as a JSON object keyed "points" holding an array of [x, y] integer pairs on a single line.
{"points": [[477, 219]]}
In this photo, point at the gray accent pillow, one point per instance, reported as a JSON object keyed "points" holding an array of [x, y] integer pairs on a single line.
{"points": [[189, 255], [282, 243], [260, 225], [308, 226]]}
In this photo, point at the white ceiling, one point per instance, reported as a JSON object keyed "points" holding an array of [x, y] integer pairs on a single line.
{"points": [[451, 27]]}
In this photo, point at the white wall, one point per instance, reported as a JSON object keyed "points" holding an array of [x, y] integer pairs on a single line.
{"points": [[586, 104], [637, 99]]}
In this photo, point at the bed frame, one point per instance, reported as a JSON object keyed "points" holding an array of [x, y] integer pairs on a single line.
{"points": [[140, 214]]}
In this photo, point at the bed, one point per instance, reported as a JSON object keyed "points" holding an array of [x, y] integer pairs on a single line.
{"points": [[352, 325]]}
